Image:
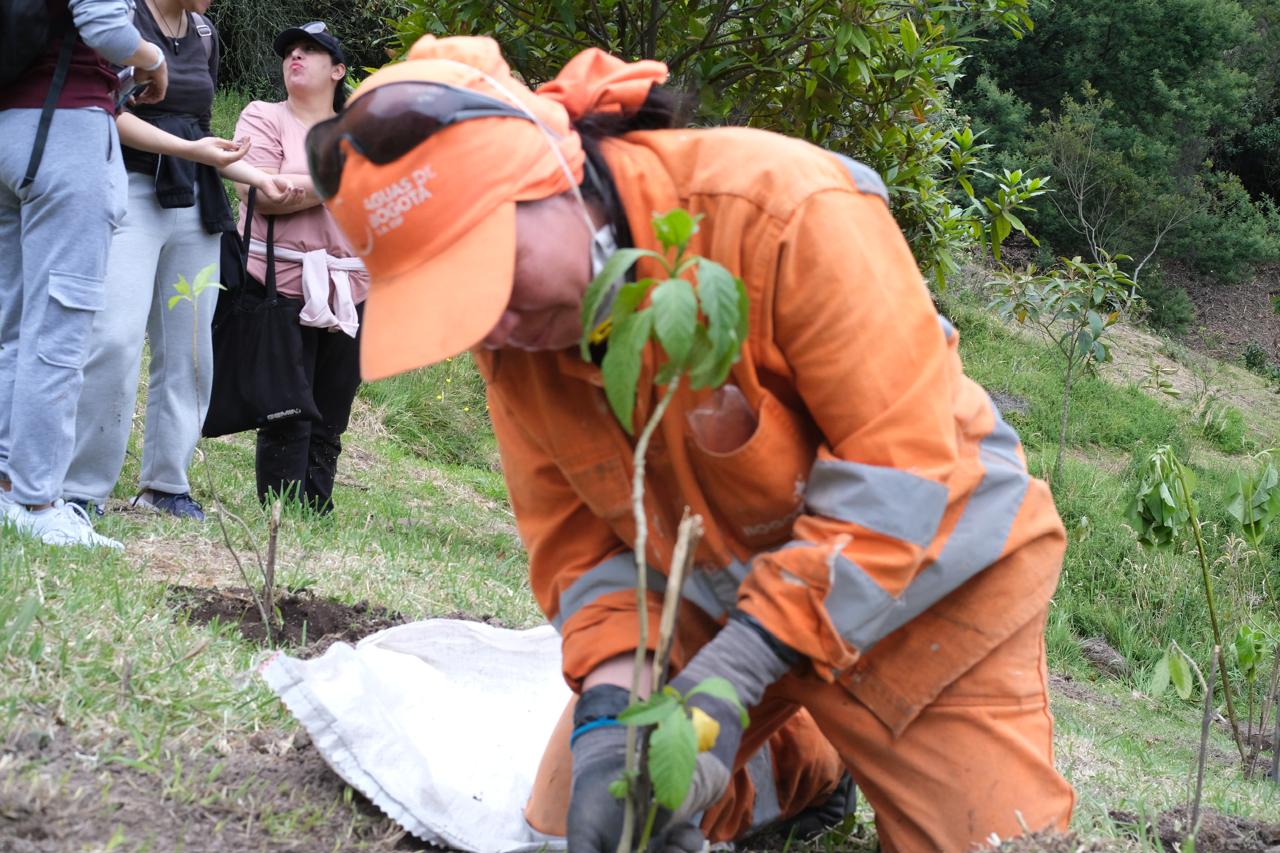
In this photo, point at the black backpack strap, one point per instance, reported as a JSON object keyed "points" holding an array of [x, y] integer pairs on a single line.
{"points": [[51, 103]]}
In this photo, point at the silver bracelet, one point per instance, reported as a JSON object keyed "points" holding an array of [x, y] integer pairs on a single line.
{"points": [[157, 63]]}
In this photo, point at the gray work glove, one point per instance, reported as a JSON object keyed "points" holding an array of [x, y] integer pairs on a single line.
{"points": [[750, 659], [599, 749]]}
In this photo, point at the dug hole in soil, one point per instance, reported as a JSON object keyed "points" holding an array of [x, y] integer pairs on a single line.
{"points": [[306, 623]]}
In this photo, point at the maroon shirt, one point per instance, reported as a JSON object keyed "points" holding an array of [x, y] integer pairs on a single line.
{"points": [[90, 80]]}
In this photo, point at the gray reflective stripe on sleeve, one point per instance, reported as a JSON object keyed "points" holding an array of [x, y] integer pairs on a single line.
{"points": [[864, 177], [887, 500], [864, 613], [615, 574], [948, 330], [714, 592], [766, 809]]}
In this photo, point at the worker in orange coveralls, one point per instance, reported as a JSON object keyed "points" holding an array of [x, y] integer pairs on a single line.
{"points": [[875, 550]]}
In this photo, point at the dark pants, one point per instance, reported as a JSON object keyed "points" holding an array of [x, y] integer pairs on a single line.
{"points": [[299, 458]]}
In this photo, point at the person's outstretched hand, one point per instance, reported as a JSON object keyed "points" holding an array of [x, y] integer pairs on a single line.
{"points": [[217, 152]]}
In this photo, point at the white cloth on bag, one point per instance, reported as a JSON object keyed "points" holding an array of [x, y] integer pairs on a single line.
{"points": [[319, 268], [441, 724]]}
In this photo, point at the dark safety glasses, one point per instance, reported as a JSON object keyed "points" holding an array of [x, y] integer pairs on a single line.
{"points": [[389, 122]]}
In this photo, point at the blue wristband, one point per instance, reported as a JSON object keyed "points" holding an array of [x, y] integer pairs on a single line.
{"points": [[599, 723]]}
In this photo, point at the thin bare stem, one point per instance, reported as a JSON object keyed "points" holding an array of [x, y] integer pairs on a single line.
{"points": [[687, 538], [642, 604], [269, 572], [220, 511], [1204, 742], [1213, 613]]}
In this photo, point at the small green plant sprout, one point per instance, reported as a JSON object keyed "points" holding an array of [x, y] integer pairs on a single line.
{"points": [[1252, 648], [1072, 305], [993, 219], [1157, 381], [1254, 499], [190, 291], [1175, 667], [1163, 512], [699, 332]]}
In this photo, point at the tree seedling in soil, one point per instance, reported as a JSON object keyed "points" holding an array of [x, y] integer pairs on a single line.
{"points": [[699, 332], [1162, 512], [263, 599], [1073, 306]]}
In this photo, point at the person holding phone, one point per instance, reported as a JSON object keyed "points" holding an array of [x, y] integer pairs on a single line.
{"points": [[176, 214], [55, 231]]}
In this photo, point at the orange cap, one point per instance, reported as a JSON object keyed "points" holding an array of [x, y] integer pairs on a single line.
{"points": [[436, 228]]}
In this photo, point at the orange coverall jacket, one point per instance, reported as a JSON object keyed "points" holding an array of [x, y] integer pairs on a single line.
{"points": [[875, 521]]}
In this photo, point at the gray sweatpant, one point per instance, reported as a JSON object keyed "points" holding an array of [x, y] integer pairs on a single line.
{"points": [[54, 237], [151, 248]]}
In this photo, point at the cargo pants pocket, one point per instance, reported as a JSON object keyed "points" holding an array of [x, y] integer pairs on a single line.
{"points": [[74, 300]]}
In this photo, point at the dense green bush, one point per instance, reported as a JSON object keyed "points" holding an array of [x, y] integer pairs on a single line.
{"points": [[248, 28], [870, 79], [1168, 306]]}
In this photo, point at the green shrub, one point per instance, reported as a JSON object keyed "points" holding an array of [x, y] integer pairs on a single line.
{"points": [[1255, 358], [1223, 426], [1168, 306], [438, 412]]}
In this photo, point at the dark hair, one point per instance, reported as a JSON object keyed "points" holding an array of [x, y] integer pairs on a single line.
{"points": [[340, 94], [662, 109]]}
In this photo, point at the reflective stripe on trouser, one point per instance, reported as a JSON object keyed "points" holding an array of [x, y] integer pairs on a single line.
{"points": [[794, 769], [977, 760], [889, 501]]}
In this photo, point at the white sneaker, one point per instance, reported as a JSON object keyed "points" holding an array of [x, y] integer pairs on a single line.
{"points": [[61, 524]]}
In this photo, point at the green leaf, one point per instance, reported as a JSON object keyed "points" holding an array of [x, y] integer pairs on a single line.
{"points": [[174, 300], [1180, 675], [863, 44], [22, 621], [621, 366], [628, 299], [182, 286], [675, 311], [614, 268], [722, 689], [673, 753], [718, 296], [202, 279], [619, 789], [654, 709], [675, 228], [1160, 677]]}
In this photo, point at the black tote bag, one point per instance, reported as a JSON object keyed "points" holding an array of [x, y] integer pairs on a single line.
{"points": [[258, 372]]}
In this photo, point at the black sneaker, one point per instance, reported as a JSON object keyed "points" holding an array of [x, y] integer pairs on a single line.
{"points": [[827, 815], [90, 508], [178, 505]]}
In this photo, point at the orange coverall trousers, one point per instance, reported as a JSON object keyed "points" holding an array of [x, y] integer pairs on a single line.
{"points": [[976, 762]]}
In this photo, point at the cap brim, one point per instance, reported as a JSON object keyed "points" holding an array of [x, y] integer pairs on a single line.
{"points": [[444, 305], [288, 37]]}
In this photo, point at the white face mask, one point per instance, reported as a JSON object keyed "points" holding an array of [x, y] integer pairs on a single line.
{"points": [[603, 244]]}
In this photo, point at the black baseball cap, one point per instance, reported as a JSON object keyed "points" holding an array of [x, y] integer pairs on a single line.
{"points": [[315, 31]]}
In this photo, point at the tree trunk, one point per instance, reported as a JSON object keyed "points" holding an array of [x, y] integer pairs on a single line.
{"points": [[1062, 423]]}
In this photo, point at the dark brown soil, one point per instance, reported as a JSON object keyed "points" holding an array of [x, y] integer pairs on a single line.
{"points": [[1230, 317], [307, 624], [1219, 833], [274, 793]]}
